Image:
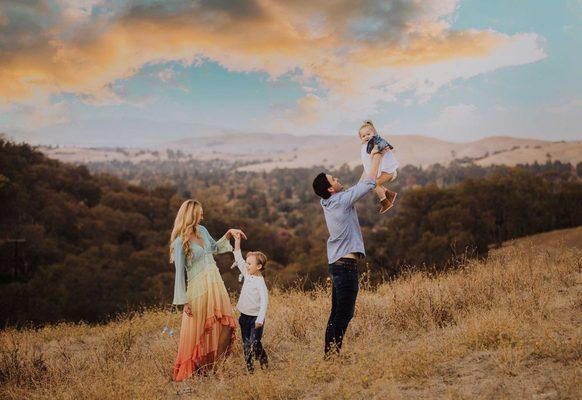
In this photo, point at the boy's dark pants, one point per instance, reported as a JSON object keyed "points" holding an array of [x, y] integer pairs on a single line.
{"points": [[252, 345], [344, 278]]}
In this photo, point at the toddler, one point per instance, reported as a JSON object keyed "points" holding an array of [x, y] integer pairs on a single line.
{"points": [[252, 303], [388, 168]]}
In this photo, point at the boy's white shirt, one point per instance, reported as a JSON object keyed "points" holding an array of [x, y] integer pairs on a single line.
{"points": [[388, 164], [254, 295]]}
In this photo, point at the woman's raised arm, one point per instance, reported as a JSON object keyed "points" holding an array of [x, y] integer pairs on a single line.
{"points": [[232, 232]]}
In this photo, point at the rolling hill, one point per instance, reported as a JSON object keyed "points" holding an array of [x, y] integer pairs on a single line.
{"points": [[425, 151], [265, 152]]}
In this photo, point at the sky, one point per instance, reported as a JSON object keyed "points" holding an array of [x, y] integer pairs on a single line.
{"points": [[104, 72]]}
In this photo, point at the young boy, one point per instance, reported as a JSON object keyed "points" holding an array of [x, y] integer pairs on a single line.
{"points": [[388, 169], [252, 303]]}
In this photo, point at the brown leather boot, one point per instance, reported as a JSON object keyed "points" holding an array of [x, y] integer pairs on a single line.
{"points": [[390, 195], [385, 205], [388, 202]]}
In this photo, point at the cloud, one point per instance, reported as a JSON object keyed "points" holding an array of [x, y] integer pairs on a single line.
{"points": [[361, 52], [169, 77], [572, 105], [38, 112], [308, 110], [458, 122], [465, 122], [75, 11]]}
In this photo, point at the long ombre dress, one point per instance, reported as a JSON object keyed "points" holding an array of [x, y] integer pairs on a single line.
{"points": [[211, 307]]}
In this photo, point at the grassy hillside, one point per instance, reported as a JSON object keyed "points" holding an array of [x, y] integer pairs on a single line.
{"points": [[563, 237], [507, 327]]}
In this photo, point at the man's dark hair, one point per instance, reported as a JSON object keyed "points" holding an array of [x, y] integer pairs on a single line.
{"points": [[320, 186]]}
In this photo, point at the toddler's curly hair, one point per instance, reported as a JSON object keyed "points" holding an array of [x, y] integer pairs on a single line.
{"points": [[370, 124]]}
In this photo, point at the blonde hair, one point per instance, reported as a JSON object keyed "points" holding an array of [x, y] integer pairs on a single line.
{"points": [[186, 224], [368, 124], [260, 256]]}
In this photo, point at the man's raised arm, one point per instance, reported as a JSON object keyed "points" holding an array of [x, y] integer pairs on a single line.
{"points": [[358, 191]]}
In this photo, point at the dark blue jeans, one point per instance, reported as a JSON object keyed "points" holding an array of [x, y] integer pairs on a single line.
{"points": [[344, 278], [252, 345]]}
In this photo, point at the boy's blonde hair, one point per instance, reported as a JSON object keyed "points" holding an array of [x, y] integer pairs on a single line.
{"points": [[260, 256], [370, 124]]}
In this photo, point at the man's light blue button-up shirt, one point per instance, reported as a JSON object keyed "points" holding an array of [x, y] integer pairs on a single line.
{"points": [[345, 235]]}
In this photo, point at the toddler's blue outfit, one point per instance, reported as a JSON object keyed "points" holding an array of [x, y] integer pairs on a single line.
{"points": [[378, 141]]}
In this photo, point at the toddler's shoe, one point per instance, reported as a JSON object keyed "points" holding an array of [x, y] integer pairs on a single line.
{"points": [[391, 196], [385, 205], [388, 202]]}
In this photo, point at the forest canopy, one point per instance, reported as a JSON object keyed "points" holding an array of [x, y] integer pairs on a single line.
{"points": [[83, 243]]}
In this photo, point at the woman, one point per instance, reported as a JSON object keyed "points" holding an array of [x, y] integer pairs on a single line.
{"points": [[208, 324]]}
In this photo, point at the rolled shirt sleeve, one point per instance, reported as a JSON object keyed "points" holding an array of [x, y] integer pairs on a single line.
{"points": [[356, 192], [180, 296]]}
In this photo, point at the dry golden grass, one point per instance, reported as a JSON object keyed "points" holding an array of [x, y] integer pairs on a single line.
{"points": [[509, 327]]}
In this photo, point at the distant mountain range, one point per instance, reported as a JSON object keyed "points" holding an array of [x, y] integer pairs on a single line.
{"points": [[113, 132], [269, 151], [425, 151]]}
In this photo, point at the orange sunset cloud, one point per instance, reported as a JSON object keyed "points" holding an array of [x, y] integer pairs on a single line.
{"points": [[334, 42]]}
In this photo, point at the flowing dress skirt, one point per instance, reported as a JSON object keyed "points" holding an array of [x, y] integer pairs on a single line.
{"points": [[211, 313]]}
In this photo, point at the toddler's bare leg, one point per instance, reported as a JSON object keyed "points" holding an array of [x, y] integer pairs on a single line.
{"points": [[380, 189], [380, 192], [388, 196], [384, 177]]}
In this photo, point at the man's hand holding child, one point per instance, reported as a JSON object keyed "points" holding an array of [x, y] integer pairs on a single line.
{"points": [[376, 152]]}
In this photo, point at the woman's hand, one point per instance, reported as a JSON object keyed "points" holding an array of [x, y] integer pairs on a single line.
{"points": [[188, 309], [232, 232]]}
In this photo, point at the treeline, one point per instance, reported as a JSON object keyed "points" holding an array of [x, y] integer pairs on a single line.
{"points": [[180, 173], [76, 245], [436, 226], [81, 246]]}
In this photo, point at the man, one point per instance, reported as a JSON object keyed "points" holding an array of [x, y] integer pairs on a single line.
{"points": [[344, 246]]}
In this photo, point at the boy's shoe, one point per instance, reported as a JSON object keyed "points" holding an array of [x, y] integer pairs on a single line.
{"points": [[264, 360]]}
